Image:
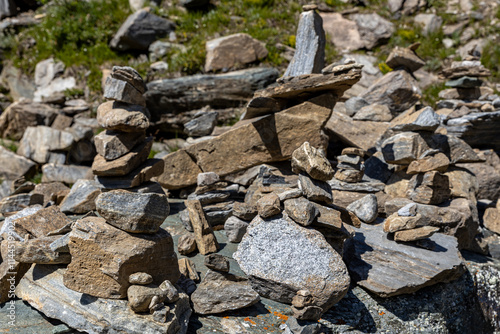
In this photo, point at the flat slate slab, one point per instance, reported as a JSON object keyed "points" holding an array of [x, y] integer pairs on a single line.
{"points": [[388, 268]]}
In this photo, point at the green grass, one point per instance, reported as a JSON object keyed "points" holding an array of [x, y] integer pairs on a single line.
{"points": [[10, 145], [77, 33], [491, 59], [36, 179], [430, 94]]}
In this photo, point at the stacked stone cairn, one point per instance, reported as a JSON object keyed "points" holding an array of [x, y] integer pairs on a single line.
{"points": [[351, 167], [123, 149]]}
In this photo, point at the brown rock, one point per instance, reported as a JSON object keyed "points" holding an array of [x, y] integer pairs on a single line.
{"points": [[312, 161], [140, 175], [438, 162], [41, 223], [269, 205], [302, 299], [403, 148], [349, 175], [118, 116], [112, 145], [38, 251], [301, 210], [404, 58], [268, 139], [462, 183], [51, 191], [429, 188], [11, 273], [231, 51], [353, 151], [217, 262], [140, 278], [395, 223], [125, 164], [491, 219], [244, 211], [188, 269], [21, 115], [205, 238], [103, 258], [415, 234], [186, 244]]}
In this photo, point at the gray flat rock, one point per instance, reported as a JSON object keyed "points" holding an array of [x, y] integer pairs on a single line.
{"points": [[388, 268]]}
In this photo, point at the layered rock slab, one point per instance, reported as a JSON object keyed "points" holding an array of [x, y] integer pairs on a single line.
{"points": [[388, 269], [103, 258], [281, 258], [42, 287]]}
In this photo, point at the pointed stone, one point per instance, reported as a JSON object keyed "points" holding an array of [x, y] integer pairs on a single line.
{"points": [[205, 238], [365, 208], [112, 145], [312, 161]]}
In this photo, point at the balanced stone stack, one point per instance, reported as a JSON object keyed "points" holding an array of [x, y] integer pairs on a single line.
{"points": [[465, 76], [351, 167], [287, 260], [123, 149]]}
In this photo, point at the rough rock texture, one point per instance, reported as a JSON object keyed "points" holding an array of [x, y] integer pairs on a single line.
{"points": [[38, 251], [14, 166], [112, 145], [365, 208], [373, 112], [205, 238], [18, 202], [122, 91], [301, 210], [42, 222], [40, 143], [403, 148], [235, 228], [477, 129], [404, 58], [81, 198], [21, 115], [415, 234], [373, 29], [387, 268], [133, 212], [312, 161], [268, 139], [438, 162], [140, 175], [186, 244], [69, 174], [140, 30], [269, 205], [119, 116], [42, 287], [310, 42], [219, 292], [397, 89], [280, 258], [233, 50], [314, 190], [202, 124], [103, 257]]}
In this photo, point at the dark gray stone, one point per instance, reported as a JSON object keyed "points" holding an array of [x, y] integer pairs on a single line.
{"points": [[81, 198], [219, 292], [365, 208], [477, 129], [122, 91], [112, 145], [18, 202], [217, 262], [133, 212], [428, 120], [315, 190], [202, 125], [140, 30], [301, 210], [310, 43]]}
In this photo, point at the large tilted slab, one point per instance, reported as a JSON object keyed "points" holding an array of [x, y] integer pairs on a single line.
{"points": [[388, 268], [42, 287]]}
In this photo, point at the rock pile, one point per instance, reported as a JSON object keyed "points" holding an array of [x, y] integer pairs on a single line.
{"points": [[123, 149]]}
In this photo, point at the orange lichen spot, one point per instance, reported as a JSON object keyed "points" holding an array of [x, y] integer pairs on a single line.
{"points": [[226, 317], [250, 321], [265, 328], [281, 316], [381, 313]]}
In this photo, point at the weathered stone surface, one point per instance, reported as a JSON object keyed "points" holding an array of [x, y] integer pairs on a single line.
{"points": [[491, 219], [119, 116], [438, 162], [349, 175], [140, 175], [18, 202], [129, 75], [203, 233], [415, 234], [365, 208], [112, 145], [186, 244], [188, 269], [374, 112], [21, 115], [396, 222], [307, 86], [398, 90], [168, 97], [404, 58], [315, 190], [487, 178], [309, 56], [477, 129], [373, 29], [387, 268], [301, 210], [217, 262], [52, 191], [202, 125], [14, 166], [464, 82], [133, 212], [430, 23], [122, 91], [124, 164], [230, 51], [235, 228], [69, 174], [210, 197], [142, 297], [140, 278], [269, 205], [268, 139], [457, 150], [38, 251], [81, 198], [11, 272], [220, 292], [362, 134], [140, 30], [38, 143], [427, 120], [470, 68], [103, 258], [403, 148], [42, 222], [244, 211], [43, 288], [312, 161], [429, 188], [343, 33], [281, 258]]}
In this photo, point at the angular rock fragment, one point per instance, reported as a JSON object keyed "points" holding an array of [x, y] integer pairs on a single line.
{"points": [[429, 188], [41, 143], [301, 210], [387, 268], [69, 174], [38, 251], [103, 258], [269, 205], [81, 198], [140, 296], [122, 91], [140, 175], [42, 222], [244, 211], [188, 269], [235, 229], [415, 234], [438, 162], [133, 212], [18, 202], [204, 235], [395, 222], [14, 166], [365, 208], [403, 148], [119, 116], [314, 190], [427, 120], [202, 125], [219, 292], [140, 278], [281, 258], [374, 112], [217, 262], [310, 160], [404, 58], [112, 145], [491, 219], [186, 244]]}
